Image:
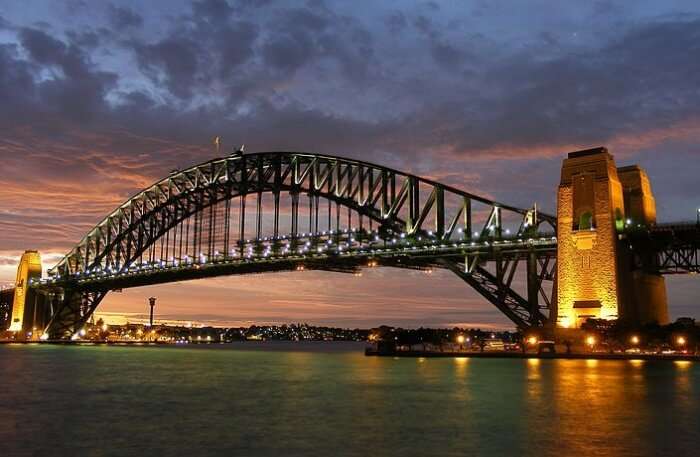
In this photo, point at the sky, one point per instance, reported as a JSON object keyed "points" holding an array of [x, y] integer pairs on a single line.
{"points": [[100, 99]]}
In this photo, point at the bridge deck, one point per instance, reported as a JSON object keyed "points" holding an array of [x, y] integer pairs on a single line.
{"points": [[670, 248], [404, 253]]}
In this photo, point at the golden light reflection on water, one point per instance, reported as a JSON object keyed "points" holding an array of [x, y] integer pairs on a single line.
{"points": [[533, 363], [461, 366], [533, 368], [637, 363], [533, 382], [684, 389], [592, 372], [589, 400]]}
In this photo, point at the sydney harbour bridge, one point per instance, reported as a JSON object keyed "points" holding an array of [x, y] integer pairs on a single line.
{"points": [[290, 211]]}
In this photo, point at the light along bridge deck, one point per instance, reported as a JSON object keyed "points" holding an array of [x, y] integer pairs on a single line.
{"points": [[668, 248], [340, 253]]}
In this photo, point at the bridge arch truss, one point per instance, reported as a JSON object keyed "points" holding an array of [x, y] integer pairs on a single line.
{"points": [[286, 210]]}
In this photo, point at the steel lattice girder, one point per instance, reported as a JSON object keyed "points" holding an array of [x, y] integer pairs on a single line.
{"points": [[498, 287], [666, 249], [73, 309], [84, 296], [368, 189], [387, 197]]}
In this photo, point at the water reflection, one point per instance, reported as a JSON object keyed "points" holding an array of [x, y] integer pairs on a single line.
{"points": [[683, 364], [592, 363], [533, 362], [461, 366], [306, 403], [683, 386], [595, 405]]}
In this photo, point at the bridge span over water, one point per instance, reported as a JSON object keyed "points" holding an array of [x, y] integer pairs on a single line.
{"points": [[290, 211]]}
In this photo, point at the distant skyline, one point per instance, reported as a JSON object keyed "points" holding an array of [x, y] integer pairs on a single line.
{"points": [[98, 100]]}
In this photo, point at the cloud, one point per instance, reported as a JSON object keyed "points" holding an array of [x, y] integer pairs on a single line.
{"points": [[74, 90], [279, 70], [123, 17], [172, 62]]}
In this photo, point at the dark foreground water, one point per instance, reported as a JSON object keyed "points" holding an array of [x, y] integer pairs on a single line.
{"points": [[329, 400]]}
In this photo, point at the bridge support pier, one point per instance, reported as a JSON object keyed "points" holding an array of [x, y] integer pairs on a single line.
{"points": [[27, 307], [645, 299], [533, 287], [596, 278]]}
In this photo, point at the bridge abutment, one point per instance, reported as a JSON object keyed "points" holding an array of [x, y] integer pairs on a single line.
{"points": [[595, 277]]}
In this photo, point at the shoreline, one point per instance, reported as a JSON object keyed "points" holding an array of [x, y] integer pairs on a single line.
{"points": [[371, 352], [521, 355], [170, 344]]}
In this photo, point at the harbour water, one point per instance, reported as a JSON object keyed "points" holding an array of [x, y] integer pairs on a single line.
{"points": [[328, 399]]}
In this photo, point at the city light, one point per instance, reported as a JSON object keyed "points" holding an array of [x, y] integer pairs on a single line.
{"points": [[680, 341], [590, 340], [460, 339], [634, 339], [532, 340]]}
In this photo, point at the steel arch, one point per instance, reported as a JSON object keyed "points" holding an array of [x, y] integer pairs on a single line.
{"points": [[399, 203], [240, 175]]}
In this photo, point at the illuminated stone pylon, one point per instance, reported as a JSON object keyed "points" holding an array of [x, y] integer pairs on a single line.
{"points": [[645, 298], [29, 268], [594, 277]]}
